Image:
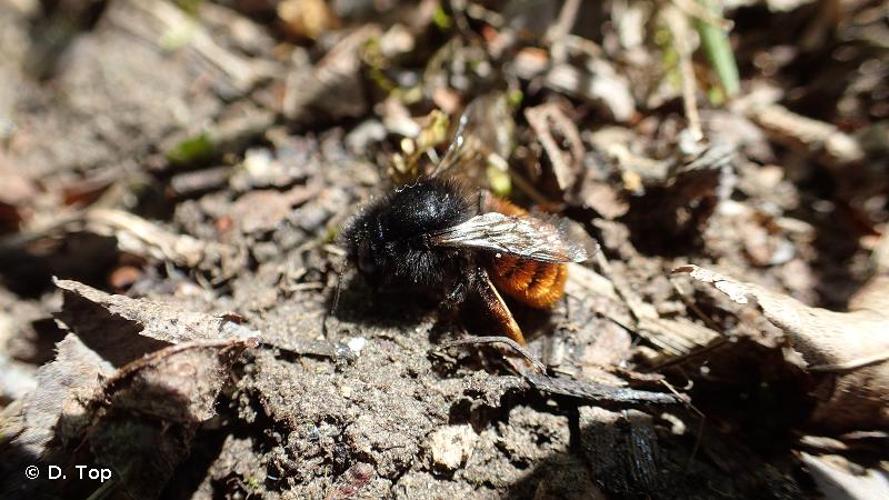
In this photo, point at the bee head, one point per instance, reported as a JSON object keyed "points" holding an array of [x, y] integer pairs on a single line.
{"points": [[366, 248]]}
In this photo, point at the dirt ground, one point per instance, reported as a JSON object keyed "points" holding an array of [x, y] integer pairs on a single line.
{"points": [[178, 308]]}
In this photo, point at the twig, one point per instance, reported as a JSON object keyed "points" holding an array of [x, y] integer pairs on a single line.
{"points": [[558, 32], [496, 339], [794, 129], [680, 30]]}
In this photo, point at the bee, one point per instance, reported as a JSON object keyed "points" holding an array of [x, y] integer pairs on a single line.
{"points": [[435, 235]]}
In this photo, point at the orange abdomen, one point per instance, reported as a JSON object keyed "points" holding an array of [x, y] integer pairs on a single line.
{"points": [[536, 284], [533, 283]]}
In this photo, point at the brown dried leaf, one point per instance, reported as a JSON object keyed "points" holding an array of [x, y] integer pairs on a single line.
{"points": [[139, 420], [146, 239], [263, 210], [554, 128], [850, 348], [142, 422], [154, 319], [176, 384], [63, 390], [836, 481]]}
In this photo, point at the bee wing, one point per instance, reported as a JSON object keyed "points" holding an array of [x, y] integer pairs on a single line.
{"points": [[486, 127], [525, 237]]}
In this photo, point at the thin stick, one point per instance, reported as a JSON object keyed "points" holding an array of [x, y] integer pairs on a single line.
{"points": [[498, 339], [853, 364], [558, 32], [680, 29]]}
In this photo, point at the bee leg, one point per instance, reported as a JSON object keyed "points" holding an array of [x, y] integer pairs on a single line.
{"points": [[496, 307]]}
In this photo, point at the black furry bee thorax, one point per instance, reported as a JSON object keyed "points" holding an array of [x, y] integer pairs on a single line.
{"points": [[388, 239]]}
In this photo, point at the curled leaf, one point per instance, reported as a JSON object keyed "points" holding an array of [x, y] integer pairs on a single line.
{"points": [[849, 349]]}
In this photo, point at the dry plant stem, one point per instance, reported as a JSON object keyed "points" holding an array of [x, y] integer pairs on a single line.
{"points": [[482, 13], [685, 357], [793, 129], [142, 237], [539, 379], [497, 339], [559, 31], [40, 230], [681, 32]]}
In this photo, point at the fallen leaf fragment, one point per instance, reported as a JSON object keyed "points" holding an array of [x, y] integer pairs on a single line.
{"points": [[142, 237], [62, 387], [138, 421], [262, 210], [156, 320], [551, 124], [176, 384], [839, 482], [849, 349]]}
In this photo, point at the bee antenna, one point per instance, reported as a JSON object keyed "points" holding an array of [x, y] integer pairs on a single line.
{"points": [[339, 285], [340, 268]]}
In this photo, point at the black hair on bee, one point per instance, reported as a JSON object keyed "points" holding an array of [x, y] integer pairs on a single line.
{"points": [[389, 240]]}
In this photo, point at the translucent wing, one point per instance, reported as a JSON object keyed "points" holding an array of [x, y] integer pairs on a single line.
{"points": [[526, 237], [485, 131]]}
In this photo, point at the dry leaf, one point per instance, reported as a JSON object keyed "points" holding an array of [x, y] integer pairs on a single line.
{"points": [[64, 386], [155, 320], [262, 210], [554, 128], [850, 349], [138, 420], [839, 482], [141, 237], [176, 384]]}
